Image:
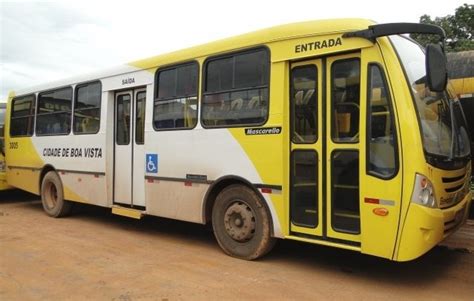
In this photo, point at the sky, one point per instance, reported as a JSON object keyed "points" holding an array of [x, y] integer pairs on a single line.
{"points": [[43, 41]]}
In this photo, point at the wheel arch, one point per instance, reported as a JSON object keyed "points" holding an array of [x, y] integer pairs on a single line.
{"points": [[224, 182]]}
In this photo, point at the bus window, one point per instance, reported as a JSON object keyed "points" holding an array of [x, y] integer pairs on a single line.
{"points": [[236, 90], [346, 100], [123, 120], [54, 112], [304, 104], [87, 108], [22, 116], [140, 118], [304, 190], [176, 97], [345, 191], [381, 132]]}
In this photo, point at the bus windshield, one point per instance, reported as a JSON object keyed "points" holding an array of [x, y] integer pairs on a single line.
{"points": [[445, 134]]}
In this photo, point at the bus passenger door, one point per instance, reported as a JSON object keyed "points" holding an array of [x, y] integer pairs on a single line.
{"points": [[306, 199], [324, 160], [364, 183], [345, 180], [129, 167], [123, 148], [343, 148], [138, 187]]}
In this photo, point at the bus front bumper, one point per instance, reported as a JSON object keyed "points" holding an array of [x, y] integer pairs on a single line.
{"points": [[425, 227]]}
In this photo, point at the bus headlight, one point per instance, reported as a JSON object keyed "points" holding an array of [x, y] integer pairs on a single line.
{"points": [[426, 196], [423, 193]]}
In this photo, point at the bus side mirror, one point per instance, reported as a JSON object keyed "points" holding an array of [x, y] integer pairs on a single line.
{"points": [[436, 68]]}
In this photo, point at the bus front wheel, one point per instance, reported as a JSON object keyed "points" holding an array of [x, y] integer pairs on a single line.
{"points": [[52, 196], [241, 223]]}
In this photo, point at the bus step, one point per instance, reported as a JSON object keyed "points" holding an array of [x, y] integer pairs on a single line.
{"points": [[128, 212]]}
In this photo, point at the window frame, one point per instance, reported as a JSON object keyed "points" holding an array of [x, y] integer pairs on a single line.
{"points": [[128, 92], [293, 181], [393, 124], [33, 126], [229, 55], [144, 117], [333, 115], [292, 104], [156, 88], [334, 188], [76, 88]]}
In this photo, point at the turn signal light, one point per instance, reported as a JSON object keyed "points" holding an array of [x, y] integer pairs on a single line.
{"points": [[380, 211]]}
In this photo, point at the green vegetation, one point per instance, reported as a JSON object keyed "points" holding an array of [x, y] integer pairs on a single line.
{"points": [[459, 29]]}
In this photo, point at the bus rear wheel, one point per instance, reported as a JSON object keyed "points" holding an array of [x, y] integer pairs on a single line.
{"points": [[241, 223], [52, 196]]}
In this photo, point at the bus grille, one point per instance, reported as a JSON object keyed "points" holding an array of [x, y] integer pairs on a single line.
{"points": [[457, 187], [449, 226]]}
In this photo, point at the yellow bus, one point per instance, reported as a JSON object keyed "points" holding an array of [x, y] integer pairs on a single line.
{"points": [[461, 79], [3, 178], [461, 75], [329, 132]]}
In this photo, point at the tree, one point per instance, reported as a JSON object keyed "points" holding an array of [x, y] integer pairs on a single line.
{"points": [[459, 29]]}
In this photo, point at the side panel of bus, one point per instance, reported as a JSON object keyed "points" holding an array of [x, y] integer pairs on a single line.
{"points": [[183, 165], [82, 155]]}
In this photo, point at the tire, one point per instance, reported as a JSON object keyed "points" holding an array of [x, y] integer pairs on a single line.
{"points": [[52, 196], [241, 223]]}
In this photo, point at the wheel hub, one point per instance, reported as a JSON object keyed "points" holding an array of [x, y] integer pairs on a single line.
{"points": [[239, 221]]}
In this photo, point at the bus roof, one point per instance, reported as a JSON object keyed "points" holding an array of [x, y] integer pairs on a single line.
{"points": [[259, 37]]}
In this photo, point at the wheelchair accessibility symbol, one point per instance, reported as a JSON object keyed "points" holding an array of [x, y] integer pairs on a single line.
{"points": [[152, 163]]}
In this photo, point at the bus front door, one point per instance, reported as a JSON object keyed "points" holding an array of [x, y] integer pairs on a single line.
{"points": [[325, 149], [129, 167]]}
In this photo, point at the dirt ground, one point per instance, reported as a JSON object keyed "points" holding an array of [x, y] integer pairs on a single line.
{"points": [[95, 255]]}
